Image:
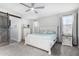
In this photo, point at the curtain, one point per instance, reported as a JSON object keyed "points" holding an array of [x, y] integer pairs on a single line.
{"points": [[59, 29], [75, 30]]}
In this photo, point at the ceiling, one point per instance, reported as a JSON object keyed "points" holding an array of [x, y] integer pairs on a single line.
{"points": [[50, 9]]}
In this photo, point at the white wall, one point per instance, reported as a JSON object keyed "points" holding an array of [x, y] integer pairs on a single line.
{"points": [[25, 20], [49, 23]]}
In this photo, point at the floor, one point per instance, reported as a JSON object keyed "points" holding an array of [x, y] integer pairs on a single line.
{"points": [[19, 49]]}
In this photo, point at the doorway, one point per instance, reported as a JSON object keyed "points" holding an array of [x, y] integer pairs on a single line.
{"points": [[67, 25]]}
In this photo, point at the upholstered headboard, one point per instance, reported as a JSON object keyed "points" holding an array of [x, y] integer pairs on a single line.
{"points": [[48, 30]]}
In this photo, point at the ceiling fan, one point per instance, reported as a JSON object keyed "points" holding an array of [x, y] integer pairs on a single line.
{"points": [[32, 7]]}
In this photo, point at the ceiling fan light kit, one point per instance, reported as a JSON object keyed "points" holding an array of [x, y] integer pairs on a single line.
{"points": [[32, 7]]}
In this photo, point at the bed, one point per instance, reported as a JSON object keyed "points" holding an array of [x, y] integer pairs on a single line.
{"points": [[43, 41]]}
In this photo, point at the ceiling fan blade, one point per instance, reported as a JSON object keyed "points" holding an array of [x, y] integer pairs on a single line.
{"points": [[32, 4], [27, 10], [25, 5], [35, 11], [41, 7]]}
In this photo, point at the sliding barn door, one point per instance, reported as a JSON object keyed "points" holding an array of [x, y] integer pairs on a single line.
{"points": [[4, 28]]}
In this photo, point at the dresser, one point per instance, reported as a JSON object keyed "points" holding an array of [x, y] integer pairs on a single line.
{"points": [[26, 31]]}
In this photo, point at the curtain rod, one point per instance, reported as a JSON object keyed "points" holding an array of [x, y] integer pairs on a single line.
{"points": [[11, 14]]}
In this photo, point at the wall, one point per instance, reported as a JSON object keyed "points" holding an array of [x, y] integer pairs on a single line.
{"points": [[25, 20], [49, 23]]}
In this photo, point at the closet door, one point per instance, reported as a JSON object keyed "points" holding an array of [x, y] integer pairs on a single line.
{"points": [[5, 33]]}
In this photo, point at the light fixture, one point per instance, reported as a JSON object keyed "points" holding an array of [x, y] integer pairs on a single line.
{"points": [[32, 8]]}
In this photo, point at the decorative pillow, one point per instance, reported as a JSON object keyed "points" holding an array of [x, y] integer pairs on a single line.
{"points": [[51, 32], [43, 31]]}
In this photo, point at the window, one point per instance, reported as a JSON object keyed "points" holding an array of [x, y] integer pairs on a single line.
{"points": [[67, 20], [67, 24]]}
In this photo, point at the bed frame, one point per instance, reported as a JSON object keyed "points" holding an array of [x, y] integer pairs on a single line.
{"points": [[42, 42]]}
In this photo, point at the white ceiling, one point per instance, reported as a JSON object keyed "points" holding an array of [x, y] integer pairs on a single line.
{"points": [[50, 8]]}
